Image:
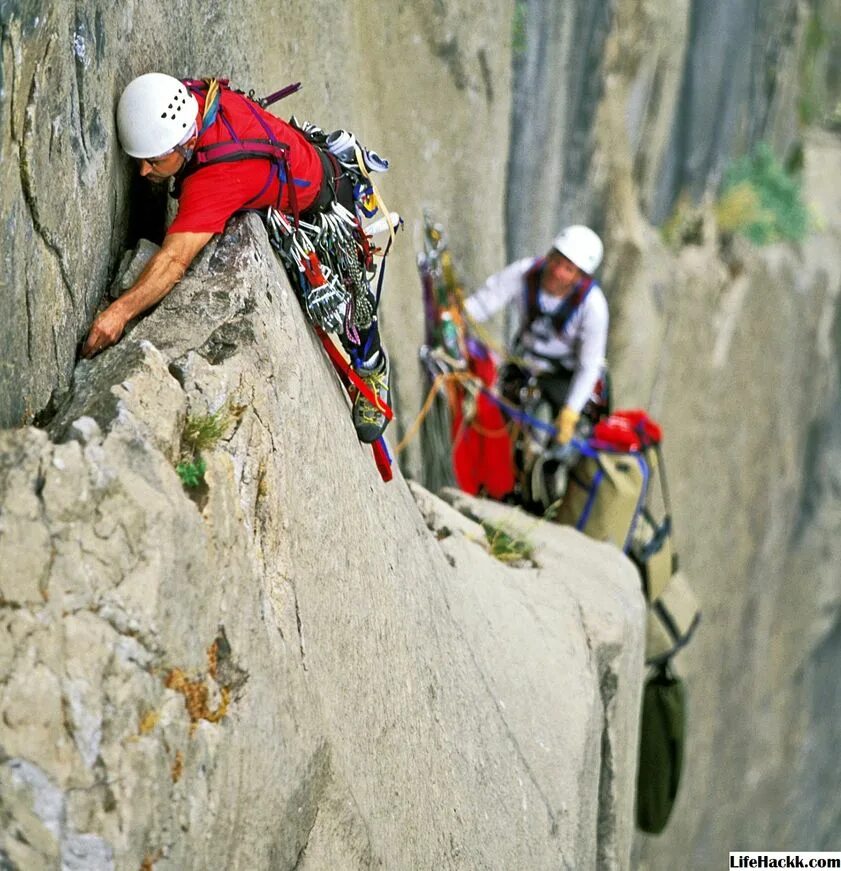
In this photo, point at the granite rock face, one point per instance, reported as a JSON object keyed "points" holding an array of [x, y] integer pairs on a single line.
{"points": [[403, 81], [698, 83], [288, 667], [740, 362], [735, 350], [617, 107]]}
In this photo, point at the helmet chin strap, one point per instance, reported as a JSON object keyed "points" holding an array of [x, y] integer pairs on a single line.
{"points": [[185, 152], [184, 148]]}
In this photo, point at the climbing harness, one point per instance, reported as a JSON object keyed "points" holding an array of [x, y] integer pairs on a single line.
{"points": [[234, 149], [329, 256]]}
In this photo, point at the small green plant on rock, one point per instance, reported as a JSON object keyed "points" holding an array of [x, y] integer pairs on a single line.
{"points": [[506, 545], [191, 472], [761, 200], [202, 433]]}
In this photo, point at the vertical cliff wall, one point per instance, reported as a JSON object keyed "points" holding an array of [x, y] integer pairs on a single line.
{"points": [[618, 107], [426, 84], [746, 383], [702, 81], [737, 353], [289, 667]]}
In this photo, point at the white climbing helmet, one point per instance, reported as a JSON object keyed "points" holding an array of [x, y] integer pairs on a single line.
{"points": [[156, 113], [580, 245]]}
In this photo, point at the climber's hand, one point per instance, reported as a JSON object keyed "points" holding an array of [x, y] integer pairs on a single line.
{"points": [[107, 328], [565, 422]]}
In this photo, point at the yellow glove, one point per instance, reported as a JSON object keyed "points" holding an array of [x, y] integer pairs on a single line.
{"points": [[565, 422]]}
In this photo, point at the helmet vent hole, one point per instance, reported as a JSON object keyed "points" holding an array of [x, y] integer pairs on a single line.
{"points": [[163, 115], [169, 106]]}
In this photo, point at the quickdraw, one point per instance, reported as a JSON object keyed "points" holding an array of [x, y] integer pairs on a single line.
{"points": [[330, 261]]}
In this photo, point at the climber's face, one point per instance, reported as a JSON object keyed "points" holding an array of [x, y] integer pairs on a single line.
{"points": [[560, 274], [161, 168]]}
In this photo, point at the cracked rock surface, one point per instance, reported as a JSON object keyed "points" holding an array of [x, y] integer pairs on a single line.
{"points": [[286, 668], [70, 201]]}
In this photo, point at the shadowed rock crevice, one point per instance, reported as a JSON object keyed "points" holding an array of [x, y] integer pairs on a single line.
{"points": [[606, 829], [27, 183]]}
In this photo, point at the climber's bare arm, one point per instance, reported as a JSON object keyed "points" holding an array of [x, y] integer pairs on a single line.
{"points": [[163, 271]]}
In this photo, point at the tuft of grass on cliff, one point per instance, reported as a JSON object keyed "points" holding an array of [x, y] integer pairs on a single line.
{"points": [[761, 200], [202, 433]]}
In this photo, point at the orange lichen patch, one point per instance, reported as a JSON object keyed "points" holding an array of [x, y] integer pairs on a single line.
{"points": [[178, 767], [196, 697], [224, 701], [148, 863], [213, 659], [149, 721]]}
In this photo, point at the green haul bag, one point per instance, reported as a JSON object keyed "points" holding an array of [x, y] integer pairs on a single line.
{"points": [[662, 737]]}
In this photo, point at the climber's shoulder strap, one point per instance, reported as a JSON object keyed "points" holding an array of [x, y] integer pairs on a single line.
{"points": [[236, 148], [571, 304], [531, 288], [566, 310]]}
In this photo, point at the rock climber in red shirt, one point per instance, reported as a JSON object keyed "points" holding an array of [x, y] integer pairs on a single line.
{"points": [[225, 153]]}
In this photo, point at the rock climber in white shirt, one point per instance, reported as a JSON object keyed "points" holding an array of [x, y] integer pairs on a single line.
{"points": [[562, 323]]}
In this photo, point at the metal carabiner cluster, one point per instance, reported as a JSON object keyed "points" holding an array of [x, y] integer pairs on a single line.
{"points": [[345, 253], [325, 298]]}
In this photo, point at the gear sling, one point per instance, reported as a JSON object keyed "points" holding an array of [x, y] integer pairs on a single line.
{"points": [[277, 153]]}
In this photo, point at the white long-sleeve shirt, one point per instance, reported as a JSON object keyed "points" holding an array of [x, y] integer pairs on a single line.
{"points": [[580, 347]]}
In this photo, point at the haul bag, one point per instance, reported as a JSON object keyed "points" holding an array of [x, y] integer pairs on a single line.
{"points": [[673, 611], [672, 618], [604, 493], [662, 737]]}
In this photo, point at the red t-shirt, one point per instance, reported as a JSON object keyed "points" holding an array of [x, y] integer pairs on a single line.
{"points": [[212, 194]]}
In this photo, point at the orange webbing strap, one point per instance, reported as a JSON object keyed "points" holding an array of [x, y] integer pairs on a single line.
{"points": [[345, 371], [448, 380]]}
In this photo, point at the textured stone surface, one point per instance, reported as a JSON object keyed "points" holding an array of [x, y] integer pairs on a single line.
{"points": [[700, 82], [740, 362], [417, 84], [738, 356], [286, 668], [538, 611]]}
